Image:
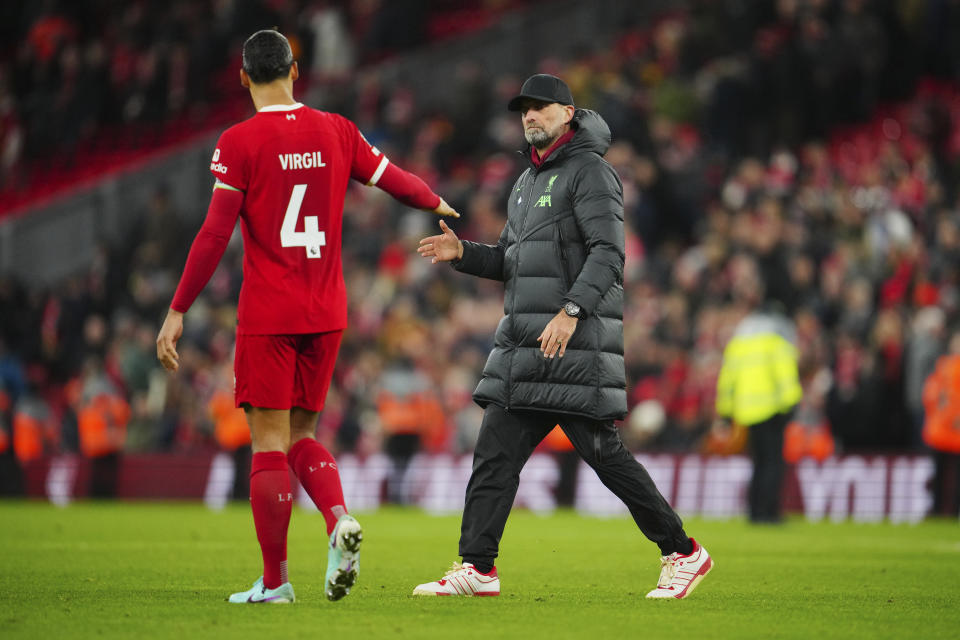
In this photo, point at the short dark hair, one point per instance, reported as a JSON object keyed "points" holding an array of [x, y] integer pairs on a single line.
{"points": [[267, 56]]}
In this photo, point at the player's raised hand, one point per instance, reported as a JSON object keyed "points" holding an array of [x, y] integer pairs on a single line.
{"points": [[170, 332], [443, 209], [442, 248]]}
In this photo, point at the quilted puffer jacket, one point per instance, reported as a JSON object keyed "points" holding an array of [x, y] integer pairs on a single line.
{"points": [[563, 241]]}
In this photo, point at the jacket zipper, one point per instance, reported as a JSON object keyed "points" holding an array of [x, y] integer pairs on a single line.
{"points": [[525, 194], [565, 274]]}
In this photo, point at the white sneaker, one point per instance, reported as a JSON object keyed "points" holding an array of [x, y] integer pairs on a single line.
{"points": [[680, 575], [462, 580], [260, 594]]}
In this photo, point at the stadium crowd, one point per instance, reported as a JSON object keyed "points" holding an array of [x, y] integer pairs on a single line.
{"points": [[82, 80], [780, 147]]}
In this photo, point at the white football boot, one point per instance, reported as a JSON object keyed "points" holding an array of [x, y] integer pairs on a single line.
{"points": [[680, 575], [343, 557], [462, 580], [258, 594]]}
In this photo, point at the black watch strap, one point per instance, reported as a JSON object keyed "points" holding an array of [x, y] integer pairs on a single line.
{"points": [[572, 309]]}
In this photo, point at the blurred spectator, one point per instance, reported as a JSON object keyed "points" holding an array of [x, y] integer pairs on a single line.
{"points": [[411, 417], [34, 432], [808, 434], [231, 431], [926, 345], [11, 475], [941, 430], [160, 230], [11, 134], [102, 416], [758, 389], [333, 51]]}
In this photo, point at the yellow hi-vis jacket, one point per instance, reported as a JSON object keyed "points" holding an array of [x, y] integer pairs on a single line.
{"points": [[759, 377]]}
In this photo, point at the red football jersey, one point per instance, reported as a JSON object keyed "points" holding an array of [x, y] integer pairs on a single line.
{"points": [[293, 164]]}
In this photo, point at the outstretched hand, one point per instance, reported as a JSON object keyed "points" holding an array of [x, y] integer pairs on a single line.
{"points": [[442, 248], [443, 209]]}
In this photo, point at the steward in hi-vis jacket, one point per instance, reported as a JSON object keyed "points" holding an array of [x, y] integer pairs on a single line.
{"points": [[759, 387]]}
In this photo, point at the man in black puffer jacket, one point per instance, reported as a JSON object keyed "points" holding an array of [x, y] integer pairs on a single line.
{"points": [[558, 355]]}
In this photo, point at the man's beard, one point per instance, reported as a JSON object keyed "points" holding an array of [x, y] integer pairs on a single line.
{"points": [[539, 138]]}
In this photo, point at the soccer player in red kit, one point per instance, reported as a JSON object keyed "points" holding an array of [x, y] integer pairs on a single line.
{"points": [[284, 173]]}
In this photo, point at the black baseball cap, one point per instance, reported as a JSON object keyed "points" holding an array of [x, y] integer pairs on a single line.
{"points": [[543, 87]]}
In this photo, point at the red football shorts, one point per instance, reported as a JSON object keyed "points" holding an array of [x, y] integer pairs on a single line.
{"points": [[285, 371]]}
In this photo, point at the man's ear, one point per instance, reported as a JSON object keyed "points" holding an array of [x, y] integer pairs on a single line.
{"points": [[570, 109], [294, 71], [244, 79]]}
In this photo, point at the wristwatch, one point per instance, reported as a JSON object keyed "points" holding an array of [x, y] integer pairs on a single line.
{"points": [[572, 309]]}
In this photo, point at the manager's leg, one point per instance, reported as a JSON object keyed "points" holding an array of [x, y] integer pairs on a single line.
{"points": [[505, 442], [599, 444]]}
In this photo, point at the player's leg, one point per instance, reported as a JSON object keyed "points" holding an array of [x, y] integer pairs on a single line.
{"points": [[310, 460], [263, 367], [684, 562], [315, 467], [271, 496], [505, 442], [317, 472]]}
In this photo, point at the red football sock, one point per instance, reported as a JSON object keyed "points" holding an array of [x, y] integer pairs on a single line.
{"points": [[318, 474], [271, 501]]}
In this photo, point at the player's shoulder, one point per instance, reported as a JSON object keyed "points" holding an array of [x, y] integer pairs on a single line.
{"points": [[236, 133], [331, 118], [252, 132]]}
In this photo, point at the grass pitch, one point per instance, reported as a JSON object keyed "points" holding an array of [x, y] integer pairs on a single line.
{"points": [[160, 570]]}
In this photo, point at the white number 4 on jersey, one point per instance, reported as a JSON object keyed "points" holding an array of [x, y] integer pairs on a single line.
{"points": [[311, 238]]}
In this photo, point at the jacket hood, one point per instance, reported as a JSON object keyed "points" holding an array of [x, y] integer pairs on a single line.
{"points": [[593, 134]]}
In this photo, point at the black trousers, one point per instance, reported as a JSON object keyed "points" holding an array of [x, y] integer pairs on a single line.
{"points": [[242, 459], [11, 475], [946, 484], [104, 475], [506, 440], [766, 450]]}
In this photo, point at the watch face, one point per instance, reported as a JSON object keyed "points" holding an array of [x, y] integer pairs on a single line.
{"points": [[572, 309]]}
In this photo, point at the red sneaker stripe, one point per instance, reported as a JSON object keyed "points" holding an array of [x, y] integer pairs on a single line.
{"points": [[703, 571]]}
